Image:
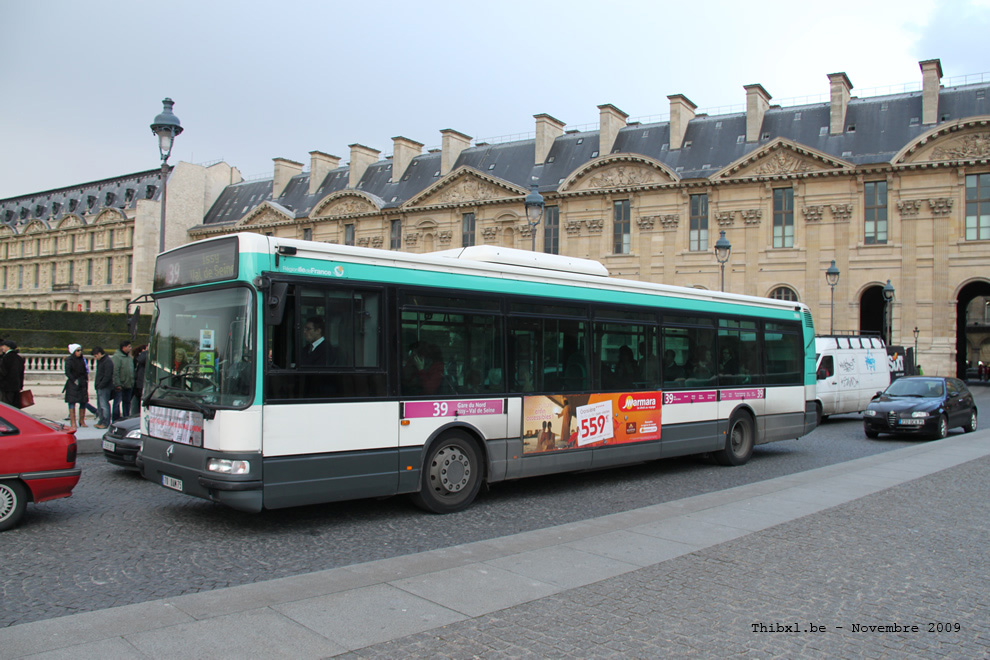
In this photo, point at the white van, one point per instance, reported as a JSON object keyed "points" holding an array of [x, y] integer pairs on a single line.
{"points": [[851, 370]]}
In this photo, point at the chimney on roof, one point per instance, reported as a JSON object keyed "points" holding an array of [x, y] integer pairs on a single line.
{"points": [[931, 83], [839, 86], [451, 147], [320, 164], [403, 151], [548, 129], [681, 112], [361, 158], [285, 169], [612, 120], [757, 102]]}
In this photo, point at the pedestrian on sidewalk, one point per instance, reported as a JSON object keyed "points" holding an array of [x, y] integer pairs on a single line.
{"points": [[140, 355], [123, 381], [104, 386], [76, 384], [11, 373]]}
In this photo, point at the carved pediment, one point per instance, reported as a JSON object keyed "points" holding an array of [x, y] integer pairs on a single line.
{"points": [[264, 214], [618, 172], [782, 158], [346, 203], [105, 216], [7, 230], [35, 227], [74, 221], [465, 186], [959, 141]]}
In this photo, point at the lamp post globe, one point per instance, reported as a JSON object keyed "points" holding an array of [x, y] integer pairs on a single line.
{"points": [[165, 127], [534, 205], [723, 249], [832, 278]]}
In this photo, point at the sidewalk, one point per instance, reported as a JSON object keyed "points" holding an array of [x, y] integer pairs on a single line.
{"points": [[822, 557]]}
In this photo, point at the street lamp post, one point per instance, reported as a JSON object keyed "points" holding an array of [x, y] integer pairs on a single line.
{"points": [[832, 277], [916, 333], [888, 303], [534, 211], [723, 248], [166, 126]]}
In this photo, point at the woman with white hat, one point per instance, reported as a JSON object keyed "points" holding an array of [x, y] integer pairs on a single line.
{"points": [[76, 384]]}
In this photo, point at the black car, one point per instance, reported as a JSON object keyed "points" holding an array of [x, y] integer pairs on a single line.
{"points": [[921, 405], [122, 441]]}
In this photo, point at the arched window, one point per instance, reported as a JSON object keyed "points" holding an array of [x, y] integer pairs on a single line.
{"points": [[784, 293]]}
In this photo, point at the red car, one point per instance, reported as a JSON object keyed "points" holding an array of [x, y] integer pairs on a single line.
{"points": [[37, 463]]}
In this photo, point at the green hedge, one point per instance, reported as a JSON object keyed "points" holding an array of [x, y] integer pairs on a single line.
{"points": [[43, 331]]}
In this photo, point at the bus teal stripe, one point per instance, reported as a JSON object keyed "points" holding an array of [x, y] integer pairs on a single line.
{"points": [[495, 284]]}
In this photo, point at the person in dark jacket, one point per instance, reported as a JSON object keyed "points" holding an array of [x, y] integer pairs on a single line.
{"points": [[104, 386], [76, 384], [11, 373]]}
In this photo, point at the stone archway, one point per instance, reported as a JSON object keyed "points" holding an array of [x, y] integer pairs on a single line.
{"points": [[973, 332], [871, 310]]}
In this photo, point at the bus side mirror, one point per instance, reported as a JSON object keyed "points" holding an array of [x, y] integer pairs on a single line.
{"points": [[275, 303]]}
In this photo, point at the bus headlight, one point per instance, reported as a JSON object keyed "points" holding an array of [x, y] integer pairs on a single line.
{"points": [[227, 466]]}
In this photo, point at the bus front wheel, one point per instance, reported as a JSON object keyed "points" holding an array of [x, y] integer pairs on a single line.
{"points": [[451, 475], [739, 440]]}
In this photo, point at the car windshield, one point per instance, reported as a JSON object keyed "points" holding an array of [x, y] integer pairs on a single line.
{"points": [[919, 387], [202, 349]]}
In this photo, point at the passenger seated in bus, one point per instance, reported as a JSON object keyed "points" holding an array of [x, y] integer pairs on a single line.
{"points": [[317, 351], [626, 370], [524, 378], [702, 367], [671, 370], [575, 370], [424, 370]]}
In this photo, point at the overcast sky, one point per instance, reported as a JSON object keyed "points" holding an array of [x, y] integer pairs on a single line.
{"points": [[82, 81]]}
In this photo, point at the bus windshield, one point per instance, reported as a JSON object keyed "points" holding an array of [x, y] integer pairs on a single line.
{"points": [[201, 350]]}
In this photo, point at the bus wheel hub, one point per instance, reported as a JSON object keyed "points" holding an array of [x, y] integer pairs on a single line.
{"points": [[451, 469]]}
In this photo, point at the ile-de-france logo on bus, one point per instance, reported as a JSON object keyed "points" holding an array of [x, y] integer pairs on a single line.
{"points": [[631, 402], [338, 271]]}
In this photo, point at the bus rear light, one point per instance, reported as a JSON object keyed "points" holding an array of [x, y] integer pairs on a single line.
{"points": [[227, 466]]}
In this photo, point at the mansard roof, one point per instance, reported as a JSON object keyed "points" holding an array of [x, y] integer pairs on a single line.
{"points": [[50, 206], [876, 130]]}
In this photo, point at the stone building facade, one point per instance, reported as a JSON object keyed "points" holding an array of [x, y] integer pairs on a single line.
{"points": [[92, 247], [893, 188]]}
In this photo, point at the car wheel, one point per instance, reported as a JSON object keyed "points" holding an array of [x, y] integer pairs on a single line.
{"points": [[971, 426], [451, 475], [943, 427], [739, 440], [872, 435], [13, 499]]}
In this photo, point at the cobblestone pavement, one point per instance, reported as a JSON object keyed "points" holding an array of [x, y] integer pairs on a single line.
{"points": [[913, 555], [121, 540]]}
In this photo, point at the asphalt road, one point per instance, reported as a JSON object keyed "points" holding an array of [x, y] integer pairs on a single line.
{"points": [[121, 540]]}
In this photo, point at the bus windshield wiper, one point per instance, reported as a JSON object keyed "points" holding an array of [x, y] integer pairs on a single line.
{"points": [[189, 397]]}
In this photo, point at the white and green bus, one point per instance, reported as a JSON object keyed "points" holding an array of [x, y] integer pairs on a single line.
{"points": [[285, 372]]}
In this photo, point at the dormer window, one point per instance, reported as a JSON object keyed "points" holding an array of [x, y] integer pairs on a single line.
{"points": [[129, 196], [109, 199], [72, 205], [24, 212], [149, 192], [39, 210], [56, 207], [90, 201]]}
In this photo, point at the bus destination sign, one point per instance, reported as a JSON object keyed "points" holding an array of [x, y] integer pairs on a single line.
{"points": [[213, 261]]}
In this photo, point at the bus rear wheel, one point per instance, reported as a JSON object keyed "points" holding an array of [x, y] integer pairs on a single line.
{"points": [[739, 440], [451, 475]]}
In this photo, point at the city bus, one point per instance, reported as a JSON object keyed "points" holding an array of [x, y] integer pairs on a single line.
{"points": [[286, 372]]}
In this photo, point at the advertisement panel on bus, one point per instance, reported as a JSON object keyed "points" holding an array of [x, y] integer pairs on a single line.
{"points": [[554, 422]]}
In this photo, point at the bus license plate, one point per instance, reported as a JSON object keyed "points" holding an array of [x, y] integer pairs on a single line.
{"points": [[171, 482], [109, 446]]}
